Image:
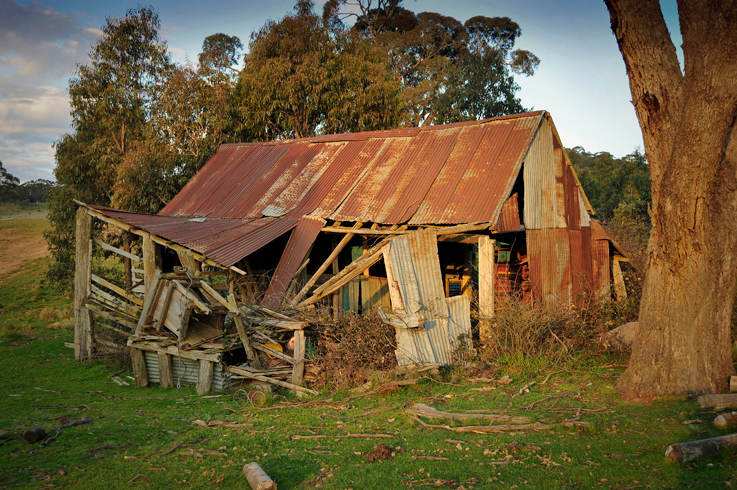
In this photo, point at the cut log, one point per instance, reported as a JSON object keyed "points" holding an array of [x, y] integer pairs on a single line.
{"points": [[733, 384], [428, 412], [34, 435], [684, 452], [257, 477], [726, 420], [718, 401]]}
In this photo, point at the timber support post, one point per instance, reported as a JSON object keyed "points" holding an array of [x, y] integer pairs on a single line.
{"points": [[486, 287], [298, 369], [151, 262], [82, 276]]}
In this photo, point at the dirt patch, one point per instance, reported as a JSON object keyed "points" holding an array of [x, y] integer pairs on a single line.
{"points": [[21, 241]]}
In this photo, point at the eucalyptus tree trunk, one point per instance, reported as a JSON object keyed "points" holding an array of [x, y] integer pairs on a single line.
{"points": [[688, 125]]}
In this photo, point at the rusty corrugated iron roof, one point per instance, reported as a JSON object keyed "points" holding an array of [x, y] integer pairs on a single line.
{"points": [[455, 173], [224, 240]]}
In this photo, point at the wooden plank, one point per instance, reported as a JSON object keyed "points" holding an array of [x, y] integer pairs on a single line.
{"points": [[192, 297], [218, 297], [98, 310], [273, 352], [166, 379], [132, 310], [486, 287], [266, 379], [374, 293], [186, 258], [117, 289], [161, 311], [620, 291], [82, 271], [149, 302], [195, 354], [394, 293], [324, 266], [298, 370], [111, 248], [151, 263], [138, 362], [241, 328], [349, 273], [351, 295], [204, 380]]}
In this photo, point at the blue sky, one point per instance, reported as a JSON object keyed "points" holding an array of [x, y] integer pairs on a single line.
{"points": [[581, 79]]}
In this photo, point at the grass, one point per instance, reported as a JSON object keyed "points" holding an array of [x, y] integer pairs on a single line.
{"points": [[146, 437], [8, 209]]}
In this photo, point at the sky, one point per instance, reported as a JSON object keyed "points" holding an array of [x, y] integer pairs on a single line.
{"points": [[581, 79]]}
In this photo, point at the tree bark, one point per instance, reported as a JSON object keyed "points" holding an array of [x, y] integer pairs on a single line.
{"points": [[688, 126]]}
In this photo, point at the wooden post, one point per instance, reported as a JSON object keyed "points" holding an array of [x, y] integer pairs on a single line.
{"points": [[151, 263], [486, 287], [242, 334], [298, 370], [82, 274], [166, 379], [138, 362], [204, 380], [337, 303]]}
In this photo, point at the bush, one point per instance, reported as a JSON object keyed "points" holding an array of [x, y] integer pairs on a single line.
{"points": [[350, 349]]}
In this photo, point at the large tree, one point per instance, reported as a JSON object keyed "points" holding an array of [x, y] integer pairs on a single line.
{"points": [[449, 70], [300, 78], [110, 99], [688, 121]]}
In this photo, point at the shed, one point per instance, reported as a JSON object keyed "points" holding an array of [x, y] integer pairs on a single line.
{"points": [[401, 220]]}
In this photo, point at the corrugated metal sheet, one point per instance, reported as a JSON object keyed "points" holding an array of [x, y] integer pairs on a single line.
{"points": [[549, 253], [599, 233], [226, 241], [185, 372], [543, 178], [299, 244], [429, 326], [509, 217], [457, 173]]}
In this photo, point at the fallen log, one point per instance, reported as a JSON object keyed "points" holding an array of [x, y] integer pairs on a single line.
{"points": [[684, 452], [257, 477], [726, 420], [428, 412], [493, 429], [718, 401], [34, 435], [733, 384]]}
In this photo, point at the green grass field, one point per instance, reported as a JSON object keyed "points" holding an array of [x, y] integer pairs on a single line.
{"points": [[147, 438]]}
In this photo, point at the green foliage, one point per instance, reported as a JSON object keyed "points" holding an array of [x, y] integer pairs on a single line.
{"points": [[450, 71], [301, 79], [618, 188]]}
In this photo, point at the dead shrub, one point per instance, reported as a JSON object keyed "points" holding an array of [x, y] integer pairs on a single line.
{"points": [[350, 349], [553, 332]]}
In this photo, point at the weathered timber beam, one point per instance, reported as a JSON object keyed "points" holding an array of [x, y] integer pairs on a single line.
{"points": [[265, 379], [204, 285], [351, 271], [273, 352], [192, 297], [324, 266], [440, 230], [684, 452], [116, 250], [82, 271], [242, 334], [117, 289], [174, 350]]}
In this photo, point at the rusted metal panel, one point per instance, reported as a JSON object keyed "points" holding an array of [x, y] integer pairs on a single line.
{"points": [[455, 173], [601, 271], [586, 256], [572, 205], [298, 246], [582, 212], [442, 189], [548, 251], [407, 186], [509, 217], [358, 205], [226, 241], [578, 271]]}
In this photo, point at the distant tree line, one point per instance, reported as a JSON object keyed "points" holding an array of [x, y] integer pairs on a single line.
{"points": [[618, 188], [143, 125], [30, 192]]}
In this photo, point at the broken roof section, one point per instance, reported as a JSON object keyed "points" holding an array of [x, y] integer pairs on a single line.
{"points": [[456, 173], [226, 241]]}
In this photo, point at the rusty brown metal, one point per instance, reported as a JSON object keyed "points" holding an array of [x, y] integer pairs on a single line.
{"points": [[456, 173], [226, 241], [298, 246], [509, 217], [549, 252]]}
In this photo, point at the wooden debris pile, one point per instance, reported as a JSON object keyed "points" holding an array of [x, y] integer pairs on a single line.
{"points": [[185, 316]]}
